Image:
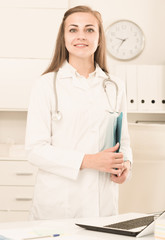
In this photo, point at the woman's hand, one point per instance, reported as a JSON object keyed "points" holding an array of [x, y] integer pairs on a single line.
{"points": [[124, 174], [105, 161]]}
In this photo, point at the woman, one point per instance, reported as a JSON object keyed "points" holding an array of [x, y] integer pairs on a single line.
{"points": [[78, 167]]}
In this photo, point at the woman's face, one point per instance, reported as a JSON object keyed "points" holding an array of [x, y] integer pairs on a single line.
{"points": [[81, 35]]}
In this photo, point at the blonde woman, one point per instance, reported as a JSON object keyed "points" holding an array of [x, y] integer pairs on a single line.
{"points": [[74, 148]]}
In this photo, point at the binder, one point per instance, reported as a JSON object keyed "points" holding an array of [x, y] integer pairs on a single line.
{"points": [[119, 129], [150, 85], [131, 88]]}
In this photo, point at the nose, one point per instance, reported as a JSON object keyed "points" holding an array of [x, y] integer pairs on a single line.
{"points": [[81, 35], [81, 38]]}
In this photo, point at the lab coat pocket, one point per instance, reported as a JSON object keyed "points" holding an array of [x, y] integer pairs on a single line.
{"points": [[48, 203]]}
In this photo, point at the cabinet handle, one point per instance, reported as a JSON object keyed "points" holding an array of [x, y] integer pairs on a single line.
{"points": [[23, 199], [152, 121], [24, 174]]}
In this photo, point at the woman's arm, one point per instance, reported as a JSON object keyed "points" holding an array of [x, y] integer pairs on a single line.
{"points": [[40, 152], [105, 161]]}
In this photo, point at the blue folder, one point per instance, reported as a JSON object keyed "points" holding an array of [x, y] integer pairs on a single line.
{"points": [[119, 129]]}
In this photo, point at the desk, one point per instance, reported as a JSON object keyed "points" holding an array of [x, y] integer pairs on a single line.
{"points": [[66, 228]]}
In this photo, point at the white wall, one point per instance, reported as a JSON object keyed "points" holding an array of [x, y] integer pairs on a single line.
{"points": [[148, 14]]}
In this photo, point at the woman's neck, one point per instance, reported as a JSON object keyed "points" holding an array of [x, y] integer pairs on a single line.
{"points": [[83, 66]]}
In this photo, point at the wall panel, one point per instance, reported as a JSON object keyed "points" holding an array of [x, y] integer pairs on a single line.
{"points": [[28, 33], [34, 3]]}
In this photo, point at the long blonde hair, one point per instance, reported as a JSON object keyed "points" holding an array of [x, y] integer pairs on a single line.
{"points": [[61, 53]]}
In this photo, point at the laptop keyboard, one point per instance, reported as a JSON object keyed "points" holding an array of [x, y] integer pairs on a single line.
{"points": [[134, 223]]}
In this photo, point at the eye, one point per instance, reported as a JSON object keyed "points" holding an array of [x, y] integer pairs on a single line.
{"points": [[72, 30], [90, 30]]}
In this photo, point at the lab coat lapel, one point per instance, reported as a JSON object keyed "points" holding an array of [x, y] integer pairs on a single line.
{"points": [[111, 93]]}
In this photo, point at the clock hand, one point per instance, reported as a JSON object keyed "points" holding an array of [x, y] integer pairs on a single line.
{"points": [[120, 38], [123, 40]]}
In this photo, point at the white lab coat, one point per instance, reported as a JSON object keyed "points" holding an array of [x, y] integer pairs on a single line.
{"points": [[57, 148]]}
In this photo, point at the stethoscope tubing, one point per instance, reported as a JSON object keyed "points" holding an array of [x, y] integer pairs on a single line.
{"points": [[58, 114], [108, 80]]}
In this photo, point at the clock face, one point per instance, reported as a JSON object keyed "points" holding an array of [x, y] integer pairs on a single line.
{"points": [[124, 39]]}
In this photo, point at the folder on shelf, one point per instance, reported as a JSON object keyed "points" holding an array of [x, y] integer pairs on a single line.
{"points": [[131, 88]]}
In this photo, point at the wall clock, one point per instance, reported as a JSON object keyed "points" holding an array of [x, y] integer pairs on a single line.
{"points": [[124, 40]]}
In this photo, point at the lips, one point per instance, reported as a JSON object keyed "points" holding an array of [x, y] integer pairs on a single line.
{"points": [[80, 45]]}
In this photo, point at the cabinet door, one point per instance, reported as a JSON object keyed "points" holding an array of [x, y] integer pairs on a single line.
{"points": [[15, 198], [11, 216], [29, 29], [17, 173], [145, 191], [16, 79]]}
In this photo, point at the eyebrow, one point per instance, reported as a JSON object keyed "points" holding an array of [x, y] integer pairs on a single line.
{"points": [[88, 25]]}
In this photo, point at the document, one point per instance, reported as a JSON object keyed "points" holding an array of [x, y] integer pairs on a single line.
{"points": [[28, 234]]}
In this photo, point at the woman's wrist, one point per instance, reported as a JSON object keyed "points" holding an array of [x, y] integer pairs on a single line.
{"points": [[87, 161]]}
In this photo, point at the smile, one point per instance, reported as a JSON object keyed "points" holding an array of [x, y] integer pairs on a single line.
{"points": [[80, 45]]}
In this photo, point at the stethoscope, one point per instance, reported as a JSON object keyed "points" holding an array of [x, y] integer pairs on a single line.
{"points": [[57, 116]]}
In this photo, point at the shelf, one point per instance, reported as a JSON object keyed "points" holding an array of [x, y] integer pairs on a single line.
{"points": [[146, 112], [5, 158], [13, 109], [25, 110]]}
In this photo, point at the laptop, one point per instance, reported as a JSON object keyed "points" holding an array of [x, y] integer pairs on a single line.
{"points": [[136, 227]]}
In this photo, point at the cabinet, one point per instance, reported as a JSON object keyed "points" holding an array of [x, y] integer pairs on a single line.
{"points": [[17, 179], [17, 175], [145, 191]]}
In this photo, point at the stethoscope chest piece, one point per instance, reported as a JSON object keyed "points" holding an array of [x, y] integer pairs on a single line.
{"points": [[57, 116]]}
